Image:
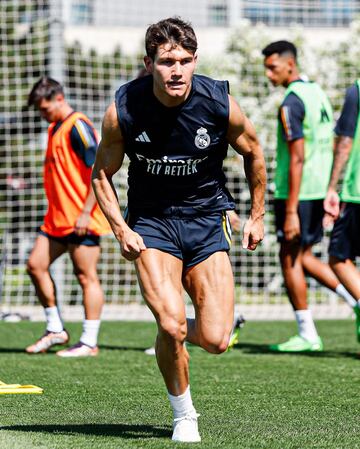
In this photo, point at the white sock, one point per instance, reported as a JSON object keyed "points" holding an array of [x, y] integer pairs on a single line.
{"points": [[181, 405], [306, 326], [341, 291], [53, 319], [90, 332]]}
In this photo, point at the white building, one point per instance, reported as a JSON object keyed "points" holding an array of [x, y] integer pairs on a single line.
{"points": [[106, 24]]}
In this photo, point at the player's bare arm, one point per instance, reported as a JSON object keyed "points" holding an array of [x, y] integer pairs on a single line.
{"points": [[292, 221], [109, 158], [83, 221], [343, 145], [242, 137]]}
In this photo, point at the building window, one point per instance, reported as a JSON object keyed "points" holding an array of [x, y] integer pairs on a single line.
{"points": [[217, 12]]}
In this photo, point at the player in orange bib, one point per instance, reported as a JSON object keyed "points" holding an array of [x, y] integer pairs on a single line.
{"points": [[73, 222]]}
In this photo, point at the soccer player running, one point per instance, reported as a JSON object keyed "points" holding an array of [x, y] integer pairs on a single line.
{"points": [[73, 222], [345, 242], [303, 165], [175, 128]]}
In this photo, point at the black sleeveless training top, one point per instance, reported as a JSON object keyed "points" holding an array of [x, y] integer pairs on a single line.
{"points": [[176, 154]]}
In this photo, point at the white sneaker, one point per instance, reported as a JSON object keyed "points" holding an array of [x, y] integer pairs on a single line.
{"points": [[79, 350], [150, 351], [48, 340], [185, 429]]}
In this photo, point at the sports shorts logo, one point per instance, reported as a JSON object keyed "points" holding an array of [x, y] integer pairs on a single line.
{"points": [[202, 138]]}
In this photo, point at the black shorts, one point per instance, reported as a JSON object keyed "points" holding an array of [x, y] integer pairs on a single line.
{"points": [[191, 239], [74, 239], [311, 213], [345, 236]]}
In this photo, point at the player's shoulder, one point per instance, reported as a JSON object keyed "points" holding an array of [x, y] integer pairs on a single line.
{"points": [[299, 85], [292, 100], [209, 87], [80, 117], [353, 90], [300, 90], [304, 86], [351, 104], [215, 90], [135, 88]]}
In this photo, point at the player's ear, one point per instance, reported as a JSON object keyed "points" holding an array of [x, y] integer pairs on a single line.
{"points": [[149, 64], [291, 64], [59, 98]]}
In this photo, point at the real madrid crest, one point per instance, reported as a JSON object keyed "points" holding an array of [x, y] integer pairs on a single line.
{"points": [[202, 138]]}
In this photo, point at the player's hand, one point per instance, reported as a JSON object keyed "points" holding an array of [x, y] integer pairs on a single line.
{"points": [[234, 220], [82, 224], [292, 226], [253, 233], [328, 221], [131, 244], [332, 204]]}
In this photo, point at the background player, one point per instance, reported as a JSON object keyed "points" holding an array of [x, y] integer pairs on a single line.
{"points": [[73, 221], [175, 128], [304, 158], [345, 241]]}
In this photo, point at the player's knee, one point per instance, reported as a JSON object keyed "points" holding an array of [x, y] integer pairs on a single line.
{"points": [[307, 258], [215, 344], [86, 279], [173, 329], [34, 268]]}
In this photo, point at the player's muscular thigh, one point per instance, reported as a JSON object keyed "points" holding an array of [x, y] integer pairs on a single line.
{"points": [[159, 275], [210, 285]]}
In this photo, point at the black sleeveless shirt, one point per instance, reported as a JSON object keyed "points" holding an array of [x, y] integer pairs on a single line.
{"points": [[176, 154]]}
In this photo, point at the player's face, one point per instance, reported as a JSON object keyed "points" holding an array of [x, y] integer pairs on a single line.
{"points": [[172, 69], [50, 110], [278, 69]]}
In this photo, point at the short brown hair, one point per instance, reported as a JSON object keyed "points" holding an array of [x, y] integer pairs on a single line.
{"points": [[46, 88], [173, 30]]}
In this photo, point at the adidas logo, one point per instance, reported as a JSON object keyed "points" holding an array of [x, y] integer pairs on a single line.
{"points": [[143, 137]]}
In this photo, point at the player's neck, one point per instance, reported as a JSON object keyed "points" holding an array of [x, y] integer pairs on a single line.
{"points": [[65, 111], [295, 76]]}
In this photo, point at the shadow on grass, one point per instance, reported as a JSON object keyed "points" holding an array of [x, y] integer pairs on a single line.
{"points": [[255, 348], [51, 351], [123, 348], [54, 350], [127, 431], [12, 350]]}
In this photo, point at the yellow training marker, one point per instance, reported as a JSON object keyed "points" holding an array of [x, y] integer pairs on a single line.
{"points": [[19, 389]]}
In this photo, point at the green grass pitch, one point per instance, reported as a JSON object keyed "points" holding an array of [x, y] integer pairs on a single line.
{"points": [[248, 398]]}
